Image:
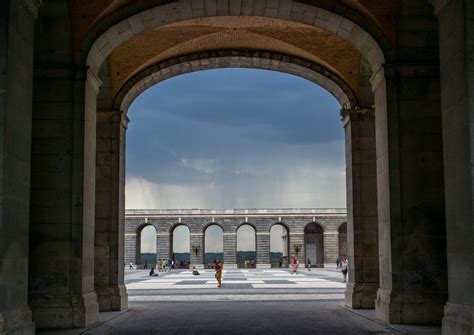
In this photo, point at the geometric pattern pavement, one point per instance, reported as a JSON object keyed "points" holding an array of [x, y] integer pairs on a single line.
{"points": [[237, 285]]}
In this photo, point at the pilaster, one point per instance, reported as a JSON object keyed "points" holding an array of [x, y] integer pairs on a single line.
{"points": [[196, 250], [410, 194], [130, 248], [331, 247], [263, 250], [362, 230], [110, 209], [163, 245], [230, 250], [296, 246]]}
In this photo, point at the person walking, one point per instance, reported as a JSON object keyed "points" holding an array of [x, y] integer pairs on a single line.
{"points": [[344, 264], [131, 265], [294, 265], [218, 267], [338, 261], [309, 264]]}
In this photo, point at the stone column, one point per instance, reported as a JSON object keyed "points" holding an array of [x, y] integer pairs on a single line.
{"points": [[62, 218], [410, 194], [163, 245], [456, 32], [16, 72], [110, 210], [63, 199], [196, 250], [362, 238], [263, 250], [331, 247], [230, 250]]}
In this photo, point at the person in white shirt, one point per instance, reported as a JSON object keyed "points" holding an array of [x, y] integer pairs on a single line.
{"points": [[344, 269]]}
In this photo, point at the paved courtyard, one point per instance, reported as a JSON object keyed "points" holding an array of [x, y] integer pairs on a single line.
{"points": [[253, 301], [237, 285]]}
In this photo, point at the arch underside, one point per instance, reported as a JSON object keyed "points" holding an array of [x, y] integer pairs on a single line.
{"points": [[235, 59], [285, 13], [292, 37]]}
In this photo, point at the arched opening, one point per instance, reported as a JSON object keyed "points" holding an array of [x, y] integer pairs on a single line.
{"points": [[410, 187], [218, 148], [343, 240], [246, 247], [314, 244], [213, 245], [180, 247], [146, 247], [279, 246]]}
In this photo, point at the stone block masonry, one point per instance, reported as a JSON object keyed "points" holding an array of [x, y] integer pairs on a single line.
{"points": [[229, 220]]}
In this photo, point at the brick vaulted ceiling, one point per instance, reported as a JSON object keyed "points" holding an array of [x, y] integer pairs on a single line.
{"points": [[242, 32]]}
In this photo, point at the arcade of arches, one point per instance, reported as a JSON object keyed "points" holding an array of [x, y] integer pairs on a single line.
{"points": [[401, 69], [308, 233]]}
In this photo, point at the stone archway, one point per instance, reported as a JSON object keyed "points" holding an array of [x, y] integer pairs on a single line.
{"points": [[315, 69], [313, 245], [142, 259], [407, 128], [279, 246], [246, 246], [213, 244], [313, 72], [284, 10], [180, 246]]}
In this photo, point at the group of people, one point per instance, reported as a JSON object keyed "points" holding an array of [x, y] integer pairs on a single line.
{"points": [[217, 265], [163, 265], [212, 265], [340, 264], [249, 263], [296, 263]]}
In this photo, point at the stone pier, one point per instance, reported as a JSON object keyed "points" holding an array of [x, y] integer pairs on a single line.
{"points": [[456, 39], [230, 250], [362, 230], [110, 211], [16, 85], [263, 250]]}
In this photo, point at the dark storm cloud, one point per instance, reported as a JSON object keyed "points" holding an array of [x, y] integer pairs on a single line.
{"points": [[235, 138], [247, 99]]}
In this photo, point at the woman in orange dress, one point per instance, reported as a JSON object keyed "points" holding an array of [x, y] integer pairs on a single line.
{"points": [[218, 274]]}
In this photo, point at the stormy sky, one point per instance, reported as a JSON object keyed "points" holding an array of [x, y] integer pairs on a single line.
{"points": [[235, 138]]}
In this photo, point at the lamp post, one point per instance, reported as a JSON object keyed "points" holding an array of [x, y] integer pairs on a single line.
{"points": [[196, 248], [297, 248]]}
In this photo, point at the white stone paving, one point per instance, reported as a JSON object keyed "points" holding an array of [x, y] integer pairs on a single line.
{"points": [[238, 285]]}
